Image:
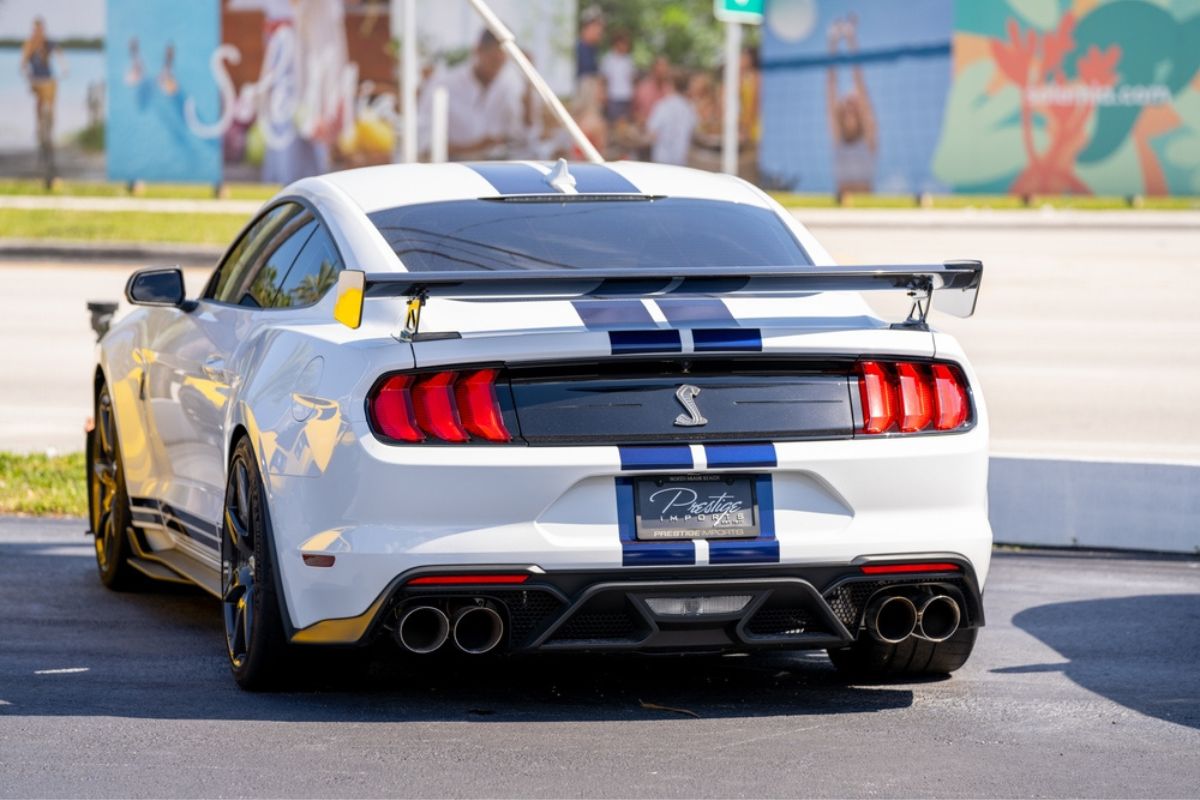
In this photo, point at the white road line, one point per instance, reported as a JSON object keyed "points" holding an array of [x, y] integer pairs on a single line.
{"points": [[63, 671]]}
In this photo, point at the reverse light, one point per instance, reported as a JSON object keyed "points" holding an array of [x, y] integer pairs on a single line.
{"points": [[909, 397], [446, 406]]}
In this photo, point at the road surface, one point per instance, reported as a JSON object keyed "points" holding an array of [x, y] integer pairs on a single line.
{"points": [[1084, 683], [1087, 337]]}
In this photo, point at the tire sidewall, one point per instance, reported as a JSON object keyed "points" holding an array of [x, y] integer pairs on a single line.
{"points": [[267, 642]]}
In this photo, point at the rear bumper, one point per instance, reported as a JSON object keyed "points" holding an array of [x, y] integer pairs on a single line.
{"points": [[797, 606]]}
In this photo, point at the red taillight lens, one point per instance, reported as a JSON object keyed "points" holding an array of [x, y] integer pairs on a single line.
{"points": [[950, 395], [878, 397], [392, 410], [478, 407], [433, 401], [912, 397], [443, 406], [916, 398]]}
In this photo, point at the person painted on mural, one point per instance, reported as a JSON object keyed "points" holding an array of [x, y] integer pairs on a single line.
{"points": [[851, 117], [39, 58]]}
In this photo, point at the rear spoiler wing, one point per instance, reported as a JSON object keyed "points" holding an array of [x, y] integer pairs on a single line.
{"points": [[952, 286]]}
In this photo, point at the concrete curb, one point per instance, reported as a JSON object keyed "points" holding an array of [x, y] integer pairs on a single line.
{"points": [[108, 252], [142, 205], [1052, 502], [966, 219]]}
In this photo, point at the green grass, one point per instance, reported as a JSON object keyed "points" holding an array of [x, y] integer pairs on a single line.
{"points": [[120, 226], [43, 485], [170, 191], [1001, 202]]}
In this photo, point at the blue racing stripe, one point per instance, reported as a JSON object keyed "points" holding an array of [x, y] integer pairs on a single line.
{"points": [[661, 456], [680, 311], [511, 178], [599, 179], [734, 551], [644, 554], [739, 339], [654, 341], [740, 455], [608, 314], [764, 549]]}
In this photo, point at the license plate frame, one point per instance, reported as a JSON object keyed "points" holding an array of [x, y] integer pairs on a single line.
{"points": [[670, 508]]}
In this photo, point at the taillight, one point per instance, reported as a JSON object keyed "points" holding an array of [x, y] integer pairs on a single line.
{"points": [[446, 406], [878, 398], [916, 398], [437, 414], [392, 410], [951, 397], [909, 397], [478, 407]]}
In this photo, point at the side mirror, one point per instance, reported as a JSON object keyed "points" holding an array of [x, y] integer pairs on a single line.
{"points": [[157, 286]]}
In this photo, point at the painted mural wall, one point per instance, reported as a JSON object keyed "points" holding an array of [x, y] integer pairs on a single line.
{"points": [[1083, 97], [996, 96]]}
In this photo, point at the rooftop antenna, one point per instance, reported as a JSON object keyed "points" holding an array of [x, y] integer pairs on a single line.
{"points": [[509, 44]]}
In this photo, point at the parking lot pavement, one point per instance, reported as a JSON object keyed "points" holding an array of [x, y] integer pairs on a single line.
{"points": [[1084, 684]]}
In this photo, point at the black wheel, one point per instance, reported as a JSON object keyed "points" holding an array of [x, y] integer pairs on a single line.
{"points": [[108, 501], [869, 659], [254, 633]]}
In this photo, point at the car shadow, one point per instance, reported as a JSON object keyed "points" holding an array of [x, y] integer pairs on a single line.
{"points": [[1141, 652], [71, 647]]}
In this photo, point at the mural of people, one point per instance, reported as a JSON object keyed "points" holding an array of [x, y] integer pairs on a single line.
{"points": [[851, 117], [38, 61]]}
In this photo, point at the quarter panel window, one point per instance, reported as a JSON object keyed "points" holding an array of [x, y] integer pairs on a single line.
{"points": [[233, 272], [267, 289], [314, 270]]}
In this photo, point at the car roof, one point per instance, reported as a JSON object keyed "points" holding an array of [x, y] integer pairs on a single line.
{"points": [[388, 186]]}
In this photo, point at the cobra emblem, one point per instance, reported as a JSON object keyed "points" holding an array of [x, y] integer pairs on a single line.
{"points": [[686, 395]]}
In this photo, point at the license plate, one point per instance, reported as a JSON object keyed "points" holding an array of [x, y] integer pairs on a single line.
{"points": [[695, 507]]}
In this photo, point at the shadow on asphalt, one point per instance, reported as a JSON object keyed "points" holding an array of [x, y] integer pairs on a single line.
{"points": [[1142, 652], [159, 653]]}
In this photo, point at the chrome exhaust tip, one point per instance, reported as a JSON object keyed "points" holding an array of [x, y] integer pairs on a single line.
{"points": [[892, 619], [423, 629], [939, 619], [478, 629]]}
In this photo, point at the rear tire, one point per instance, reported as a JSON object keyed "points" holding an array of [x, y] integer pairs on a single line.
{"points": [[868, 659], [108, 499], [254, 634]]}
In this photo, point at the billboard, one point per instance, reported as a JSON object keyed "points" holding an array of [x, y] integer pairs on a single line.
{"points": [[159, 85], [853, 92], [1084, 97]]}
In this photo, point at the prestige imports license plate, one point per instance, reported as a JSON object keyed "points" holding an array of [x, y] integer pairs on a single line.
{"points": [[695, 507]]}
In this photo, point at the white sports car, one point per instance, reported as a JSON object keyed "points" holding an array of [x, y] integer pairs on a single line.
{"points": [[517, 407]]}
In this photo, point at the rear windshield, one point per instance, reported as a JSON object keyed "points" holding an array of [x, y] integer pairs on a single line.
{"points": [[587, 234]]}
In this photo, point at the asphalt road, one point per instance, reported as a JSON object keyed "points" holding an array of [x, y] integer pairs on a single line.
{"points": [[1086, 339], [1084, 684]]}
